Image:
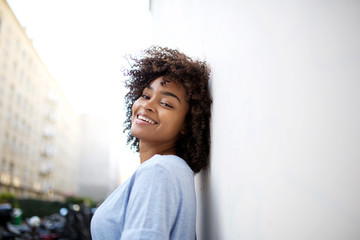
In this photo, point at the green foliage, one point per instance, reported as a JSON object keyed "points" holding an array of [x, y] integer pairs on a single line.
{"points": [[80, 200], [34, 207], [7, 197], [41, 208]]}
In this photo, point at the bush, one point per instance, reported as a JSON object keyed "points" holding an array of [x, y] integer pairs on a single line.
{"points": [[7, 197], [41, 208], [34, 207], [80, 200]]}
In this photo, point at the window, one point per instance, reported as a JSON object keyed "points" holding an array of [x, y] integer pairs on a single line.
{"points": [[8, 114], [13, 144], [23, 54], [15, 120], [12, 90], [18, 98], [20, 148], [27, 83], [5, 139], [15, 67], [21, 125], [21, 76], [3, 164], [24, 104], [11, 168]]}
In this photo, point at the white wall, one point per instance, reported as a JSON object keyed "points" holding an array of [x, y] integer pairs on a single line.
{"points": [[285, 82]]}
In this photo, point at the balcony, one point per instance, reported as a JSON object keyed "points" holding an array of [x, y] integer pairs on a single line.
{"points": [[48, 151]]}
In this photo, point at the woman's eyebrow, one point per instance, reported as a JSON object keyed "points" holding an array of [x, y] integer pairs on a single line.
{"points": [[171, 95], [165, 93]]}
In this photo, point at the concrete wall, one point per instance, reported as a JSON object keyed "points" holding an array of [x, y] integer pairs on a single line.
{"points": [[285, 82]]}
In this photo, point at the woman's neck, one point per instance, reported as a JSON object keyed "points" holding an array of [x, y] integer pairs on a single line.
{"points": [[148, 150]]}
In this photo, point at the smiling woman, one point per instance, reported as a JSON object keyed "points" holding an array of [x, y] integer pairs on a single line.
{"points": [[175, 67], [168, 115], [158, 116]]}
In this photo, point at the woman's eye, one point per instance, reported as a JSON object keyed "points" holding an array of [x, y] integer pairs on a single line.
{"points": [[167, 105], [145, 96]]}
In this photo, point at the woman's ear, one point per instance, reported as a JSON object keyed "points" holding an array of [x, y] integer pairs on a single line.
{"points": [[183, 130]]}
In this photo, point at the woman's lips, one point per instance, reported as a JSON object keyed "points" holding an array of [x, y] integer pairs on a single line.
{"points": [[143, 118]]}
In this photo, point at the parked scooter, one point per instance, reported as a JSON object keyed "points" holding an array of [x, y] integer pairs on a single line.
{"points": [[7, 230], [77, 226], [73, 223]]}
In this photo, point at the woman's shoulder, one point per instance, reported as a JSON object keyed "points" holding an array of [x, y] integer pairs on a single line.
{"points": [[163, 174], [171, 164]]}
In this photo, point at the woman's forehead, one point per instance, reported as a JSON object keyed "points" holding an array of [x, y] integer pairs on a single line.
{"points": [[166, 82]]}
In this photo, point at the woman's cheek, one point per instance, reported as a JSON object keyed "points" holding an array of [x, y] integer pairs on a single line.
{"points": [[135, 106]]}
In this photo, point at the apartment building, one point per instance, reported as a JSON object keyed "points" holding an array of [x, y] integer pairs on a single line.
{"points": [[39, 133]]}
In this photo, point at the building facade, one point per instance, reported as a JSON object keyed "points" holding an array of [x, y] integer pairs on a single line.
{"points": [[38, 127]]}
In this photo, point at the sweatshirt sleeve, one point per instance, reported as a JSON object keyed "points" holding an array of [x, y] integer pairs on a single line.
{"points": [[152, 205]]}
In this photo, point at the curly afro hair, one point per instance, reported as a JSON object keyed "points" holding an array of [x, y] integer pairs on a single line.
{"points": [[193, 75]]}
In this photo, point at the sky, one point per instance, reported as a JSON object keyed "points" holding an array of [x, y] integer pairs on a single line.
{"points": [[83, 44]]}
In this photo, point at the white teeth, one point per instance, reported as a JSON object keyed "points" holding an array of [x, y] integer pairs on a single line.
{"points": [[146, 119]]}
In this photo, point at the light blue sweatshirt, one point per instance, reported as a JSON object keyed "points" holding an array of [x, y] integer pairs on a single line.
{"points": [[157, 202]]}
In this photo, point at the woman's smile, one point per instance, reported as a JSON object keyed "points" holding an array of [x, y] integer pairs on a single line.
{"points": [[144, 119]]}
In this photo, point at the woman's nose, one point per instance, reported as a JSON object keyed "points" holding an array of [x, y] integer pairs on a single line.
{"points": [[148, 105]]}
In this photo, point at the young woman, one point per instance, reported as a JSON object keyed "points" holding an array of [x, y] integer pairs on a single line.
{"points": [[168, 114]]}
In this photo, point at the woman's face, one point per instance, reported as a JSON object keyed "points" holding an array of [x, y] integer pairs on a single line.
{"points": [[158, 115]]}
